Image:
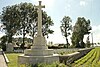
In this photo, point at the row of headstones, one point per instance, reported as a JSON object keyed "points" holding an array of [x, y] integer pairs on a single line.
{"points": [[10, 48]]}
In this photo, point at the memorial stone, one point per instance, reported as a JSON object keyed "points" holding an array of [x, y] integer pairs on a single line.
{"points": [[39, 52]]}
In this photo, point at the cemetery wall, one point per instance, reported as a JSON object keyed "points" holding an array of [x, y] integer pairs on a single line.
{"points": [[70, 58], [5, 57], [65, 50]]}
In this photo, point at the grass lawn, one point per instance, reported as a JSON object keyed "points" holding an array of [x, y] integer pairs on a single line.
{"points": [[92, 59], [13, 57]]}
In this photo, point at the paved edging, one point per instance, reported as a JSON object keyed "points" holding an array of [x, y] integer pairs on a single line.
{"points": [[2, 60], [5, 57], [70, 58]]}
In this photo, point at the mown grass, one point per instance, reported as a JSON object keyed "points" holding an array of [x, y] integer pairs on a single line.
{"points": [[13, 57], [92, 59], [55, 64]]}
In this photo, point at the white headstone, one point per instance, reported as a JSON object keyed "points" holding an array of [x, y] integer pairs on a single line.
{"points": [[9, 47]]}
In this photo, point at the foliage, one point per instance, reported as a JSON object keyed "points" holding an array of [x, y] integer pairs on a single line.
{"points": [[81, 28], [28, 20], [66, 27], [46, 22], [21, 19], [10, 21], [55, 64], [13, 58], [3, 40], [89, 60]]}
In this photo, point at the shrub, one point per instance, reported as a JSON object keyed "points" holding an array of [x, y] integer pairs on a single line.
{"points": [[55, 64]]}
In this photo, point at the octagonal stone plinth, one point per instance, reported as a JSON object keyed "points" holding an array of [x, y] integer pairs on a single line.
{"points": [[37, 59], [37, 52]]}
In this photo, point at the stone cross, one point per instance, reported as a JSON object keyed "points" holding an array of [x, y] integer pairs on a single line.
{"points": [[39, 52], [39, 33]]}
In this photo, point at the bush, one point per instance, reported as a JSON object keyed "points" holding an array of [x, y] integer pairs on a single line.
{"points": [[56, 64], [3, 46]]}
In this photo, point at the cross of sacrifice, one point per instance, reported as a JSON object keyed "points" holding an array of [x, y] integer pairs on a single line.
{"points": [[39, 33]]}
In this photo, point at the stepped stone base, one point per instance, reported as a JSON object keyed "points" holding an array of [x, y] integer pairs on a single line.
{"points": [[39, 53], [37, 59], [34, 56]]}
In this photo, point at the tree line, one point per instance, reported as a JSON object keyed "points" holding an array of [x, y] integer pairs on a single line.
{"points": [[21, 19], [82, 27]]}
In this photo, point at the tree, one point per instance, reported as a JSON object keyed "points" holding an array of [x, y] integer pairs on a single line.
{"points": [[25, 10], [66, 27], [10, 21], [46, 22], [29, 21], [81, 28], [3, 40], [21, 19]]}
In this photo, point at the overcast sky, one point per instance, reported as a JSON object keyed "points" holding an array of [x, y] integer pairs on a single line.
{"points": [[57, 9]]}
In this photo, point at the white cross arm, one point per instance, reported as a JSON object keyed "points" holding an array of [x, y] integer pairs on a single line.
{"points": [[40, 6]]}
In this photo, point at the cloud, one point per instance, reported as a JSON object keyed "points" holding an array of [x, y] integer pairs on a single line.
{"points": [[83, 3], [96, 29], [67, 7], [96, 33], [56, 37]]}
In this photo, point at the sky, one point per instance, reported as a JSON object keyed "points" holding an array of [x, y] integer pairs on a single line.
{"points": [[57, 9]]}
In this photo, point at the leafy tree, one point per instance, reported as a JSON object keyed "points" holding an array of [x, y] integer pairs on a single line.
{"points": [[25, 10], [21, 19], [10, 21], [28, 19], [47, 22], [3, 40], [66, 27], [81, 28]]}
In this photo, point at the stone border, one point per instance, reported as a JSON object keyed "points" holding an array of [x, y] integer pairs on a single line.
{"points": [[70, 58], [5, 57]]}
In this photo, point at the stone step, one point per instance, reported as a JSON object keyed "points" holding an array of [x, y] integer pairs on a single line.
{"points": [[38, 52], [37, 59]]}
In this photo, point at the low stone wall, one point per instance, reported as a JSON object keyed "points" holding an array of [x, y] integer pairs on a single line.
{"points": [[61, 51], [70, 58], [56, 51], [18, 51], [5, 57]]}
